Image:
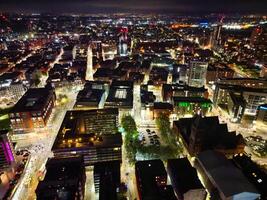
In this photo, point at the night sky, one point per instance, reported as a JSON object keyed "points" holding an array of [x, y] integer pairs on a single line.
{"points": [[153, 6]]}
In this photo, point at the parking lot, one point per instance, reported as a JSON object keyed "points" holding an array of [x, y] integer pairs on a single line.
{"points": [[149, 135]]}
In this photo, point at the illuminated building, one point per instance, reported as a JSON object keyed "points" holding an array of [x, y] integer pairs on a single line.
{"points": [[253, 91], [90, 133], [206, 133], [123, 40], [256, 33], [216, 72], [176, 90], [64, 179], [162, 108], [7, 156], [191, 105], [151, 180], [33, 109], [219, 173], [216, 35], [92, 96], [253, 172], [197, 73], [180, 73], [236, 105], [261, 116], [184, 179], [120, 95]]}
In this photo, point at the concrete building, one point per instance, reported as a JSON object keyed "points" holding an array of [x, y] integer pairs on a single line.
{"points": [[92, 134], [33, 109], [197, 73]]}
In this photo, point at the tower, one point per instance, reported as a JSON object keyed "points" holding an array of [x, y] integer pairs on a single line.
{"points": [[255, 35], [123, 40], [197, 73], [216, 39]]}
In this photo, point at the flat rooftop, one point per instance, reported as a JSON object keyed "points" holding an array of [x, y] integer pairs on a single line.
{"points": [[33, 100], [120, 94], [183, 175], [62, 178], [224, 175], [88, 129]]}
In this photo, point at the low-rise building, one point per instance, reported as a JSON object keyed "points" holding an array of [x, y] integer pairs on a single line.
{"points": [[261, 117], [191, 105]]}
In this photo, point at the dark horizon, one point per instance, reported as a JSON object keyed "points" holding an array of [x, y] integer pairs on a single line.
{"points": [[137, 6]]}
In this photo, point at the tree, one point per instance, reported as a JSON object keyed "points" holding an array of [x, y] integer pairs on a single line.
{"points": [[128, 124], [131, 137]]}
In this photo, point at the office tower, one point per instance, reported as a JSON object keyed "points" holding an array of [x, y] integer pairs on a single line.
{"points": [[197, 73], [123, 40]]}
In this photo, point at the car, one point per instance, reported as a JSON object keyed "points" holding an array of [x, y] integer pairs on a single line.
{"points": [[148, 130], [155, 136]]}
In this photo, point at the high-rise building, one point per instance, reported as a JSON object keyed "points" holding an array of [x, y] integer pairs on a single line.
{"points": [[216, 39], [197, 73], [7, 156], [256, 33], [123, 40]]}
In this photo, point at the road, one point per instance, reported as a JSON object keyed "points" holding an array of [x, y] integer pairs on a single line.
{"points": [[89, 71], [41, 150]]}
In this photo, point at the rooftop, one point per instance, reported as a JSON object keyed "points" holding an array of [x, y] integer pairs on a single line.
{"points": [[84, 129], [33, 100], [224, 175], [62, 179], [183, 175]]}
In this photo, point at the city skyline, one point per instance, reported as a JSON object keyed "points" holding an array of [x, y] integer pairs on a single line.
{"points": [[137, 6]]}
